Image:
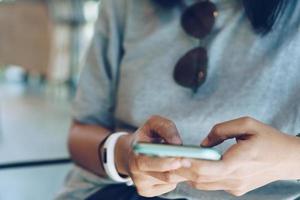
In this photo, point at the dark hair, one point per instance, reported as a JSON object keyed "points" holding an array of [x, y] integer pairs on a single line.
{"points": [[262, 13]]}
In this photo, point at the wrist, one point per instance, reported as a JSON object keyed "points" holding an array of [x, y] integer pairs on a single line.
{"points": [[122, 151], [109, 160], [292, 163]]}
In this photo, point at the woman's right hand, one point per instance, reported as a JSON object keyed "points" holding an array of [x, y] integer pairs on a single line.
{"points": [[152, 176]]}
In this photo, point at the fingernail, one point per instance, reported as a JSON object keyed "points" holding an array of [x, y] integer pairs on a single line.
{"points": [[186, 163], [205, 142]]}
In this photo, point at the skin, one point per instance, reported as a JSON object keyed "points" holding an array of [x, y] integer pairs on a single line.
{"points": [[243, 166], [151, 176], [261, 155], [84, 140]]}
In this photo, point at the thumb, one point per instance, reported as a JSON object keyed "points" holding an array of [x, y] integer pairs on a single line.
{"points": [[160, 127], [240, 128]]}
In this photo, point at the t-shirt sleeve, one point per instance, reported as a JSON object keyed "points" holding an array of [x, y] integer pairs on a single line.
{"points": [[95, 98]]}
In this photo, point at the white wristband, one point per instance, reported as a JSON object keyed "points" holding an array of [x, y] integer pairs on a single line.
{"points": [[108, 158]]}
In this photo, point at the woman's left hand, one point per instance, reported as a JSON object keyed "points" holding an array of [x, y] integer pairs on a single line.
{"points": [[261, 155]]}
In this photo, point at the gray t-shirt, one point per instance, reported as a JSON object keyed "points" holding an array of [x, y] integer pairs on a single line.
{"points": [[128, 77]]}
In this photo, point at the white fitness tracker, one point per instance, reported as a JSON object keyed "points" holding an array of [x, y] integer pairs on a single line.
{"points": [[108, 158]]}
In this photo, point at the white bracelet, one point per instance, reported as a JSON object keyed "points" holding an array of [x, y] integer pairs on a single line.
{"points": [[108, 159]]}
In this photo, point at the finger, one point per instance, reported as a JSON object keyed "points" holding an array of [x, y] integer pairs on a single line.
{"points": [[208, 168], [145, 180], [153, 188], [236, 193], [162, 189], [155, 164], [195, 177], [164, 128], [208, 186], [167, 177], [204, 171], [241, 127]]}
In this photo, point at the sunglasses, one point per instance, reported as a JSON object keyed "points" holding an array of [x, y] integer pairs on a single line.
{"points": [[197, 21]]}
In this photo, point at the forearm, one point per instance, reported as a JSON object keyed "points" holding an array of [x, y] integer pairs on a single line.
{"points": [[83, 145]]}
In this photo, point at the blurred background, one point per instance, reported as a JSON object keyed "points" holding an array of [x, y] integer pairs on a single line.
{"points": [[42, 47]]}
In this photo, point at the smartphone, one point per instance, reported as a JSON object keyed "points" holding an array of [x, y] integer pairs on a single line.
{"points": [[167, 150]]}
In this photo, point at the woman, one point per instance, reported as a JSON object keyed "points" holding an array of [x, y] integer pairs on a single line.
{"points": [[190, 72]]}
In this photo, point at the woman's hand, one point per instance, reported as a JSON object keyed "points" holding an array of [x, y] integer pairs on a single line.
{"points": [[151, 176], [261, 155]]}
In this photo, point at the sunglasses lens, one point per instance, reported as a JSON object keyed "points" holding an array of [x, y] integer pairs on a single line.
{"points": [[191, 69], [198, 20]]}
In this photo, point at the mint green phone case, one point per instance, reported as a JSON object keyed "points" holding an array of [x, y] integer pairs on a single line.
{"points": [[165, 150]]}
